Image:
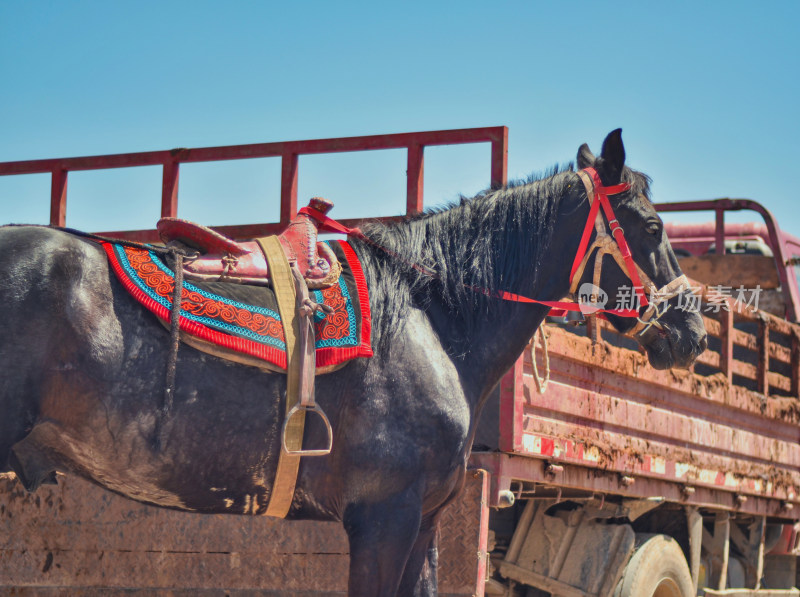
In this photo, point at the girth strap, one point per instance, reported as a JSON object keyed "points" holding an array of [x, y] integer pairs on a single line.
{"points": [[280, 499]]}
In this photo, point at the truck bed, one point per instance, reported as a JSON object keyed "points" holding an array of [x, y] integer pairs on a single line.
{"points": [[609, 423]]}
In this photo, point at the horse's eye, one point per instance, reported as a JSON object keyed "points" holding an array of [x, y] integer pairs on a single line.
{"points": [[654, 227]]}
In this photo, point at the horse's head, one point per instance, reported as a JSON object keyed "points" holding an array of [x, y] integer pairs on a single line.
{"points": [[669, 325]]}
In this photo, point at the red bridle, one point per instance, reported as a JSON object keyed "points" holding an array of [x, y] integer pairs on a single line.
{"points": [[617, 247], [601, 194], [597, 195]]}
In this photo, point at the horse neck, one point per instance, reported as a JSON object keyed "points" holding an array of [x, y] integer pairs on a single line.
{"points": [[503, 336], [497, 344], [528, 257]]}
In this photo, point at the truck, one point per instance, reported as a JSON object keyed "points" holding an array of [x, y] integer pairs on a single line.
{"points": [[591, 474]]}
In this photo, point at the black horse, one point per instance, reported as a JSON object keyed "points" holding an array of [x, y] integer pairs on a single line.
{"points": [[83, 369]]}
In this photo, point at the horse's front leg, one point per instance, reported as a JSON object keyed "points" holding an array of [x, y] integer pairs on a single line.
{"points": [[382, 536], [420, 578]]}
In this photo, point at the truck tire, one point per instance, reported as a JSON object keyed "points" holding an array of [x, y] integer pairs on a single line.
{"points": [[658, 568]]}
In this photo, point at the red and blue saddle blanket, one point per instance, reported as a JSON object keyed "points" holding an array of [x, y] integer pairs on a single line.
{"points": [[244, 320]]}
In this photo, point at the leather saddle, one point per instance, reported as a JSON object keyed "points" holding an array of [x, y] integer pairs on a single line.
{"points": [[221, 259], [311, 265]]}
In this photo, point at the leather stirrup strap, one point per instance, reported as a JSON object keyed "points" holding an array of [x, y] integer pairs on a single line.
{"points": [[280, 499]]}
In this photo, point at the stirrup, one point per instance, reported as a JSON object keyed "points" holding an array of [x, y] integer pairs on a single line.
{"points": [[310, 408]]}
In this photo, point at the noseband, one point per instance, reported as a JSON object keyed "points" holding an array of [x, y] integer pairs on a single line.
{"points": [[614, 244]]}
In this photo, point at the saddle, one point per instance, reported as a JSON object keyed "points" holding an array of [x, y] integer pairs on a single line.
{"points": [[221, 259], [298, 262]]}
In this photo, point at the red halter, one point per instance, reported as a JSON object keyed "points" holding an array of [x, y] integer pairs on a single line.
{"points": [[601, 194], [557, 308]]}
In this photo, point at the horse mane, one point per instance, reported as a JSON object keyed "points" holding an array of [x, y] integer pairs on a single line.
{"points": [[640, 183], [462, 254]]}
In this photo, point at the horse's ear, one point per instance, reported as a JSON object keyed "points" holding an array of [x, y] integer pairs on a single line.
{"points": [[585, 157], [613, 158]]}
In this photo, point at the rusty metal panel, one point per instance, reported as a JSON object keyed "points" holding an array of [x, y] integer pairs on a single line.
{"points": [[463, 539], [657, 433], [73, 591], [511, 409], [76, 538], [78, 535]]}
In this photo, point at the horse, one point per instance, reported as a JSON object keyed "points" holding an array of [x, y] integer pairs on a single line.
{"points": [[83, 367]]}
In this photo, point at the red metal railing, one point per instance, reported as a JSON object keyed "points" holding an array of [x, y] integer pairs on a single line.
{"points": [[719, 207], [288, 151]]}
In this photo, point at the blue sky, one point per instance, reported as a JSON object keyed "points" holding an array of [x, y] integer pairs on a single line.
{"points": [[706, 94]]}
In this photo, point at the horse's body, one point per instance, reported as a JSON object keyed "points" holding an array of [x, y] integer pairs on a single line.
{"points": [[83, 371]]}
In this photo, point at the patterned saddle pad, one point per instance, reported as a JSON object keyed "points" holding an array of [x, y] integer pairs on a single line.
{"points": [[242, 322]]}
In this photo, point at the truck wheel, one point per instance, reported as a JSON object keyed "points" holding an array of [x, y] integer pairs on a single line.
{"points": [[658, 568]]}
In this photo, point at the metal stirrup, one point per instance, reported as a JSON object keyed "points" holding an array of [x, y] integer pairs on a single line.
{"points": [[306, 408]]}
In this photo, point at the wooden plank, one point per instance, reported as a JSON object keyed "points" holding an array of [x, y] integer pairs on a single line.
{"points": [[615, 430], [725, 270], [709, 358], [795, 365], [780, 382], [742, 369], [780, 353], [762, 369], [713, 327], [77, 538], [172, 570], [618, 371], [156, 592], [726, 342], [745, 340], [74, 591]]}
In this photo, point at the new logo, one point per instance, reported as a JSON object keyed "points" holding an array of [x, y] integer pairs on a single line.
{"points": [[591, 298]]}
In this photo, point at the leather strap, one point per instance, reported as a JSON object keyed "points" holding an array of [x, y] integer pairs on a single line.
{"points": [[616, 246], [619, 248], [594, 219], [327, 224], [280, 500]]}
